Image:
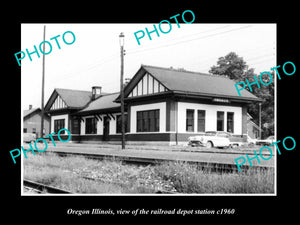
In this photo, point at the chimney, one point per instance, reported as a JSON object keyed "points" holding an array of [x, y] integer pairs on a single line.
{"points": [[96, 91], [30, 107]]}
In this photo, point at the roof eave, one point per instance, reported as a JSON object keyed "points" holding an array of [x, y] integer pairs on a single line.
{"points": [[97, 111], [208, 96], [31, 112], [154, 95]]}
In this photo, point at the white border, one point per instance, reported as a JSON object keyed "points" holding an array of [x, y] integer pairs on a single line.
{"points": [[173, 195]]}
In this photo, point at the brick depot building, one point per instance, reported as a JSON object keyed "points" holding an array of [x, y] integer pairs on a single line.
{"points": [[162, 105]]}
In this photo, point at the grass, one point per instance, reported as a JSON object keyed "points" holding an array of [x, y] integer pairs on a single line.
{"points": [[188, 179], [61, 178], [80, 175]]}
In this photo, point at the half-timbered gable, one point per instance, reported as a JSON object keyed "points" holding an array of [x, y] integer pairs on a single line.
{"points": [[67, 99], [147, 85], [61, 106], [58, 103]]}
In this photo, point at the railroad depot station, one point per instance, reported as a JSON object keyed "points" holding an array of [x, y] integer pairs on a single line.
{"points": [[162, 106]]}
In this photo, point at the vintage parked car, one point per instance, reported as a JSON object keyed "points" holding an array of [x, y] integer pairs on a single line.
{"points": [[267, 141], [251, 141], [210, 139], [29, 137]]}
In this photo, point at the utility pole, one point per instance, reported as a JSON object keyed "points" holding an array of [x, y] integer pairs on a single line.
{"points": [[43, 84], [121, 38], [259, 104]]}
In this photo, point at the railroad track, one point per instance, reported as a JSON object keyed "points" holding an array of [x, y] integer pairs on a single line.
{"points": [[212, 166], [42, 188]]}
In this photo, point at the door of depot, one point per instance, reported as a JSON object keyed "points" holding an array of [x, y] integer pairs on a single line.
{"points": [[105, 128]]}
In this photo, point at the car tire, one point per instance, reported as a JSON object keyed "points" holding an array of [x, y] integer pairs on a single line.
{"points": [[209, 144], [234, 145]]}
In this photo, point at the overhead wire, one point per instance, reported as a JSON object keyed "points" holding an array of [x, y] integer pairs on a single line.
{"points": [[132, 51], [183, 37], [129, 52], [193, 39]]}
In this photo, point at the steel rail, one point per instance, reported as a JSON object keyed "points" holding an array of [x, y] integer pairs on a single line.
{"points": [[43, 188], [212, 166]]}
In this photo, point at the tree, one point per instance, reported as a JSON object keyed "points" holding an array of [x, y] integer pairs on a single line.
{"points": [[231, 65], [237, 69]]}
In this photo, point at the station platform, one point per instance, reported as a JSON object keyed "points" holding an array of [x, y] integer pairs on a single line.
{"points": [[166, 153]]}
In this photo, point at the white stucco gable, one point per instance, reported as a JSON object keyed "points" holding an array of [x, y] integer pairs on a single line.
{"points": [[147, 85]]}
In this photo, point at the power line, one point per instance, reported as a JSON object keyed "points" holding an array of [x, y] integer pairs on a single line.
{"points": [[262, 61], [180, 42], [112, 57], [187, 36], [91, 66], [261, 56], [205, 63], [94, 65]]}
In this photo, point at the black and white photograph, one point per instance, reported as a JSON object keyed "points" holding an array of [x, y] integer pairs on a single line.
{"points": [[161, 114], [135, 112]]}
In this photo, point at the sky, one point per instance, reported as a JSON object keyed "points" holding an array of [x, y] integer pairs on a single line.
{"points": [[94, 58]]}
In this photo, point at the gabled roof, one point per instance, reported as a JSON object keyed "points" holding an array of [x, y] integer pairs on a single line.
{"points": [[103, 102], [28, 112], [186, 82], [72, 98]]}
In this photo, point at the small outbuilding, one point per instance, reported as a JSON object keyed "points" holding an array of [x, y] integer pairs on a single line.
{"points": [[32, 121]]}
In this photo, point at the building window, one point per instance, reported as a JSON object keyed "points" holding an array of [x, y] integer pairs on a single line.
{"points": [[201, 120], [230, 123], [24, 130], [91, 125], [34, 130], [59, 124], [119, 123], [148, 121], [190, 120], [220, 121]]}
